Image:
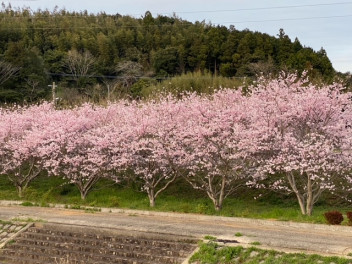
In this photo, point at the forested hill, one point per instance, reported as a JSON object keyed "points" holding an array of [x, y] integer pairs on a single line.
{"points": [[76, 49]]}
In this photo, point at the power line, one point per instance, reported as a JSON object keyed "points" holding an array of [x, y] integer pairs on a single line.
{"points": [[81, 15], [94, 76], [135, 77], [185, 24], [283, 19], [344, 60], [260, 8]]}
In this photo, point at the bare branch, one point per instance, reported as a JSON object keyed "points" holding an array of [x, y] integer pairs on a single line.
{"points": [[7, 70], [80, 64]]}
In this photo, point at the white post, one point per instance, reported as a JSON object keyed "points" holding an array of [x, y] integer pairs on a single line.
{"points": [[53, 93]]}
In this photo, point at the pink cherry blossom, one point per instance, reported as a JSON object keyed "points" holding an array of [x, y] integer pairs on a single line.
{"points": [[300, 131]]}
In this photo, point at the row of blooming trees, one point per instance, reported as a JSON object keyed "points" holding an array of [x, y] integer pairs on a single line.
{"points": [[285, 135]]}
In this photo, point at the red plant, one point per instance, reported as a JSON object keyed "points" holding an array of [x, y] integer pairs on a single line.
{"points": [[334, 217], [349, 216]]}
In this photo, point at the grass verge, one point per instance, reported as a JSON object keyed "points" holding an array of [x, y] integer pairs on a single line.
{"points": [[212, 253], [180, 197]]}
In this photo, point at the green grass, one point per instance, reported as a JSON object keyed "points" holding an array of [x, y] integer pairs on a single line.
{"points": [[26, 203], [256, 243], [180, 197], [27, 220], [5, 222], [212, 238], [212, 253]]}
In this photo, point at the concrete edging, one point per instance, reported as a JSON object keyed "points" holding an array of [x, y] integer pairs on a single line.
{"points": [[14, 235]]}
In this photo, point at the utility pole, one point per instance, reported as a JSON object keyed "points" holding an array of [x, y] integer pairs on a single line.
{"points": [[53, 92]]}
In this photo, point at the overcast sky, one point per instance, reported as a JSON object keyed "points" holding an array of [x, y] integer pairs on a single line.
{"points": [[316, 23]]}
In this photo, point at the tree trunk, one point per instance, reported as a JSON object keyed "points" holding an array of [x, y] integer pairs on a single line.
{"points": [[309, 209], [20, 191], [217, 198], [300, 197], [152, 202], [151, 198], [85, 187], [222, 194], [309, 205], [83, 195], [218, 206], [84, 192], [301, 204], [215, 68], [216, 201]]}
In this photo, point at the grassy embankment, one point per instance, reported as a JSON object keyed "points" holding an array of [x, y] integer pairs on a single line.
{"points": [[180, 197]]}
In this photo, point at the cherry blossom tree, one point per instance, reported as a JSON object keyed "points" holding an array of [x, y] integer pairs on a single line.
{"points": [[19, 143], [154, 153], [214, 138], [74, 146], [299, 130]]}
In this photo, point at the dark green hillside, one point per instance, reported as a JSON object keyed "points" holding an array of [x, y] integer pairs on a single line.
{"points": [[84, 53]]}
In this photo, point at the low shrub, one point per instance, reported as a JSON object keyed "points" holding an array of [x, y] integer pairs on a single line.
{"points": [[349, 216], [26, 203], [334, 217]]}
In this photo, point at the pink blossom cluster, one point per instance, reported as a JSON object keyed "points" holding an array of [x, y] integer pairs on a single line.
{"points": [[286, 134]]}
